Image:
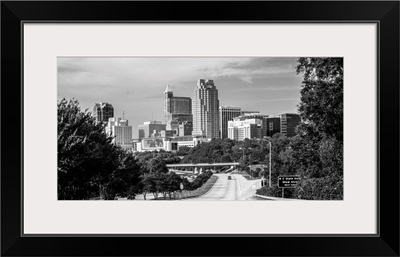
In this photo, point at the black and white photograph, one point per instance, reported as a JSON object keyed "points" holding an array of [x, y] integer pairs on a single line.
{"points": [[200, 128]]}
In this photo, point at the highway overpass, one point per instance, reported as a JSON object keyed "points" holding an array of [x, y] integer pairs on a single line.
{"points": [[198, 167]]}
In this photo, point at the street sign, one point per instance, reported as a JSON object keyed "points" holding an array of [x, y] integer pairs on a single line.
{"points": [[288, 181]]}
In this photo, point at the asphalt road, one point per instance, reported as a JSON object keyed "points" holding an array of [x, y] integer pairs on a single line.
{"points": [[236, 188]]}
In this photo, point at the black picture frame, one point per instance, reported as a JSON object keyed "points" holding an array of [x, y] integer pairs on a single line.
{"points": [[385, 14]]}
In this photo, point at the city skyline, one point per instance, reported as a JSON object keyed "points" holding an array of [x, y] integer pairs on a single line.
{"points": [[136, 86]]}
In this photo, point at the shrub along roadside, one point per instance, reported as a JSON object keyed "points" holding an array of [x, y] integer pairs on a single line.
{"points": [[275, 191], [199, 180], [168, 184], [203, 189]]}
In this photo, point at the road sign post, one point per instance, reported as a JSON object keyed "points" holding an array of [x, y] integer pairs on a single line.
{"points": [[288, 181]]}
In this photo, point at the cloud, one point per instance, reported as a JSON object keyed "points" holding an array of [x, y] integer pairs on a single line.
{"points": [[277, 99], [253, 68]]}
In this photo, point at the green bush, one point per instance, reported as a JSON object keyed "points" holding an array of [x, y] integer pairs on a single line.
{"points": [[275, 191], [321, 189], [200, 180]]}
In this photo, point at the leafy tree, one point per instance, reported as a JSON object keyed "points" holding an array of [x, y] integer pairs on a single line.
{"points": [[186, 184], [226, 158], [172, 184], [89, 165], [85, 153], [157, 165], [148, 184], [200, 180], [318, 148], [129, 173], [160, 184], [255, 172], [236, 152], [322, 95], [172, 159], [183, 150]]}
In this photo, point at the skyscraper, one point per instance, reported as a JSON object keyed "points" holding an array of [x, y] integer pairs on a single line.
{"points": [[177, 110], [205, 109], [227, 113], [103, 111]]}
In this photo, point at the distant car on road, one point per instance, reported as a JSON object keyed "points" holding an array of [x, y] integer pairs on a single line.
{"points": [[229, 177]]}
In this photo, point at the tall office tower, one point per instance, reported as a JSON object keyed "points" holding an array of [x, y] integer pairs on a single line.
{"points": [[227, 113], [205, 109], [103, 111], [121, 132], [271, 126], [289, 122], [177, 109], [150, 128]]}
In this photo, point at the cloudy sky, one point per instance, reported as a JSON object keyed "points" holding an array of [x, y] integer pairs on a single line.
{"points": [[136, 85]]}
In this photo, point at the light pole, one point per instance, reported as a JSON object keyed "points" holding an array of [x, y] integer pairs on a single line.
{"points": [[242, 153], [270, 164]]}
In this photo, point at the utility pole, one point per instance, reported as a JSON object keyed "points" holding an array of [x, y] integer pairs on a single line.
{"points": [[270, 164]]}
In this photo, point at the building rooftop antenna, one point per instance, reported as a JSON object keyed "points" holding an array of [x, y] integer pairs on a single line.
{"points": [[123, 115]]}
